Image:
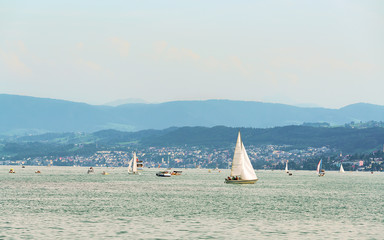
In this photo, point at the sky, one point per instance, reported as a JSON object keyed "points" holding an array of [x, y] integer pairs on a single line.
{"points": [[327, 53]]}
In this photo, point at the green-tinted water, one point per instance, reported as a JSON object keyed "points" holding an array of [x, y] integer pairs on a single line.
{"points": [[67, 203]]}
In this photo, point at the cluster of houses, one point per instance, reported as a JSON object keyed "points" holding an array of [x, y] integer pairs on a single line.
{"points": [[267, 156]]}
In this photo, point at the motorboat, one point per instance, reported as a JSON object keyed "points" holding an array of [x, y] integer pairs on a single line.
{"points": [[176, 172], [163, 174]]}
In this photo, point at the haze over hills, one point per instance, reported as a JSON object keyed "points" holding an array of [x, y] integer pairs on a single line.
{"points": [[125, 101], [23, 114]]}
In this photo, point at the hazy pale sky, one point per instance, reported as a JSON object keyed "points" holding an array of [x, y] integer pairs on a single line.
{"points": [[328, 53]]}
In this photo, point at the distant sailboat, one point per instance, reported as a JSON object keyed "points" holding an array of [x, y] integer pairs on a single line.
{"points": [[286, 167], [341, 169], [320, 172], [132, 168], [242, 171]]}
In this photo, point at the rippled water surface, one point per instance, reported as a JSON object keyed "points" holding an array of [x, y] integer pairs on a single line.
{"points": [[68, 203]]}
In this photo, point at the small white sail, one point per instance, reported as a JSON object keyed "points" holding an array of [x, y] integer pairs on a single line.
{"points": [[248, 172], [130, 165], [238, 159], [318, 167], [286, 167], [341, 168], [134, 166]]}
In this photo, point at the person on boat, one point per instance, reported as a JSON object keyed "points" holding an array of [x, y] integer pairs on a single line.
{"points": [[229, 178]]}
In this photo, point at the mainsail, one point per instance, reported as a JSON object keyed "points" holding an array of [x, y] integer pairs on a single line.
{"points": [[130, 165], [341, 168], [241, 164], [319, 166], [132, 168], [286, 167], [238, 158]]}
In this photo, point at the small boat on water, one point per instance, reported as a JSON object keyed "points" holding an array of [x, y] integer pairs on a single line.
{"points": [[176, 172], [104, 173], [242, 171], [91, 170], [341, 169], [320, 172], [12, 170], [214, 170], [163, 174], [38, 171]]}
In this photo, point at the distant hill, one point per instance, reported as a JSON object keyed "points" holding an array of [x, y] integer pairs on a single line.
{"points": [[23, 115], [346, 139]]}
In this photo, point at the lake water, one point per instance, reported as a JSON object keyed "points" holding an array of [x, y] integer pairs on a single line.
{"points": [[68, 203]]}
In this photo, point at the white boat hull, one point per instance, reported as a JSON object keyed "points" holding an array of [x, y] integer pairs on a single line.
{"points": [[163, 174]]}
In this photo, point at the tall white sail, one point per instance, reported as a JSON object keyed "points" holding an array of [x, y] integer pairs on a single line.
{"points": [[134, 166], [248, 172], [238, 159], [286, 167], [130, 165], [341, 168]]}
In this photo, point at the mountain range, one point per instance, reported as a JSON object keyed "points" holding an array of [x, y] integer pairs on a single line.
{"points": [[31, 115]]}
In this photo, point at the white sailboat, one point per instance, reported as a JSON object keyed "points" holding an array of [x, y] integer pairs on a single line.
{"points": [[341, 169], [242, 171], [132, 168], [286, 167]]}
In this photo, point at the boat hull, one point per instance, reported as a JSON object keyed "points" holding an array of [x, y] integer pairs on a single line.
{"points": [[163, 175], [241, 181]]}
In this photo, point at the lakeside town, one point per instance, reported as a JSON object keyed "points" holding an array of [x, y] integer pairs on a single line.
{"points": [[262, 157]]}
